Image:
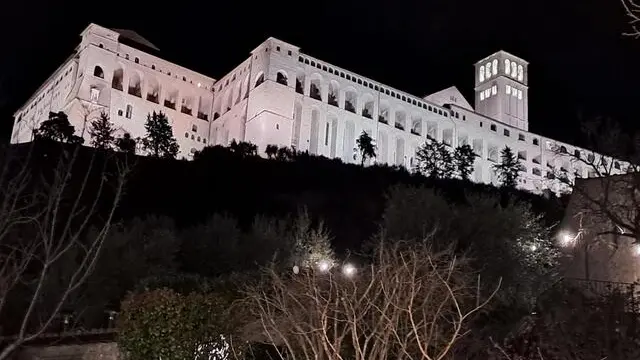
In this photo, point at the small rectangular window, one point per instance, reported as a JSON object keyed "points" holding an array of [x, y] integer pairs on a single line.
{"points": [[129, 111], [278, 48], [521, 137], [506, 132], [494, 127]]}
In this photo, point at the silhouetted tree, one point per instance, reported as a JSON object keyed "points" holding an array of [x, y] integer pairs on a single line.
{"points": [[58, 128], [284, 153], [243, 149], [366, 147], [271, 151], [126, 144], [509, 168], [434, 160], [159, 141], [101, 131], [463, 159]]}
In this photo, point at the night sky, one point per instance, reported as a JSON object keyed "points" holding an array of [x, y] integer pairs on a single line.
{"points": [[580, 64]]}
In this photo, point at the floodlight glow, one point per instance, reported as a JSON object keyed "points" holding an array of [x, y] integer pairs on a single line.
{"points": [[533, 247], [567, 239], [636, 250], [323, 265], [349, 269]]}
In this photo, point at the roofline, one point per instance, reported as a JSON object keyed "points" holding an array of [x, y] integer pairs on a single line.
{"points": [[55, 72], [502, 52]]}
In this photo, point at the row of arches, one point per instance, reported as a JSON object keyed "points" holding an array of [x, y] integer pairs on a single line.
{"points": [[348, 99], [149, 88], [234, 93]]}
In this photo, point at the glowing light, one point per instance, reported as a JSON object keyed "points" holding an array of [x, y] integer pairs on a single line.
{"points": [[324, 265], [636, 250], [567, 239], [349, 270], [199, 84], [533, 247]]}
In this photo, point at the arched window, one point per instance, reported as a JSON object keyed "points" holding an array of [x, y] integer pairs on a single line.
{"points": [[300, 83], [259, 80], [333, 93], [520, 73], [135, 85], [401, 119], [153, 90], [118, 76], [507, 66], [494, 67], [488, 70], [314, 90], [481, 74], [514, 69], [350, 101], [281, 78], [98, 72]]}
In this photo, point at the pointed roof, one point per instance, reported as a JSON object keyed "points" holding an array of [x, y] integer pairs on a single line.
{"points": [[450, 95], [135, 37]]}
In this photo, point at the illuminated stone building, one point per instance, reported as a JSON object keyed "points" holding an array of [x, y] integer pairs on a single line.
{"points": [[279, 95]]}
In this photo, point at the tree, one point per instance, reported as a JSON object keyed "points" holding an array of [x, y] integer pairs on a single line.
{"points": [[271, 151], [434, 160], [44, 211], [159, 141], [58, 128], [509, 168], [126, 144], [408, 303], [311, 246], [632, 10], [101, 132], [366, 147], [463, 159], [243, 149]]}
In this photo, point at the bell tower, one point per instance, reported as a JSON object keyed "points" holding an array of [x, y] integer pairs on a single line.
{"points": [[502, 90]]}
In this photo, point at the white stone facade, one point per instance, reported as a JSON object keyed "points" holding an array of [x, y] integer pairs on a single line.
{"points": [[281, 96]]}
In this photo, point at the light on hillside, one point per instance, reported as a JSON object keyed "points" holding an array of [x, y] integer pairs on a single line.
{"points": [[324, 265], [349, 269]]}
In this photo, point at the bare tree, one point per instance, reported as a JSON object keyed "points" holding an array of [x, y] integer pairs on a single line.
{"points": [[632, 10], [410, 303], [47, 203], [608, 197]]}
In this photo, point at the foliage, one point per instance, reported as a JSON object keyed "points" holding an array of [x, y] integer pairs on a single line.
{"points": [[577, 321], [463, 160], [126, 144], [159, 141], [243, 149], [164, 324], [271, 151], [312, 246], [509, 168], [101, 131], [434, 160], [58, 128], [366, 147], [409, 303]]}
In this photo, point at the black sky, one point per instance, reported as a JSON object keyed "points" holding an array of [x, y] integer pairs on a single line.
{"points": [[580, 64]]}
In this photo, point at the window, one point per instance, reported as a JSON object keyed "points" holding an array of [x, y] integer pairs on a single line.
{"points": [[481, 74], [506, 132], [521, 137], [536, 172], [326, 134], [494, 127], [259, 80], [98, 72], [186, 135], [94, 94], [101, 46], [519, 94], [494, 90], [487, 92], [119, 112], [507, 66], [129, 111], [481, 95], [520, 73], [487, 67], [289, 52], [278, 48], [507, 89], [281, 78], [494, 67], [514, 69], [194, 128]]}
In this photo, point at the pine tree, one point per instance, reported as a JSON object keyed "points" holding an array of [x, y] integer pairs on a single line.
{"points": [[311, 247], [159, 141], [463, 159], [57, 128], [126, 144], [366, 147], [101, 131], [434, 160], [509, 168]]}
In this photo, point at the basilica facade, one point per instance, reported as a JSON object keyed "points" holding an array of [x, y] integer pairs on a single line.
{"points": [[281, 96]]}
